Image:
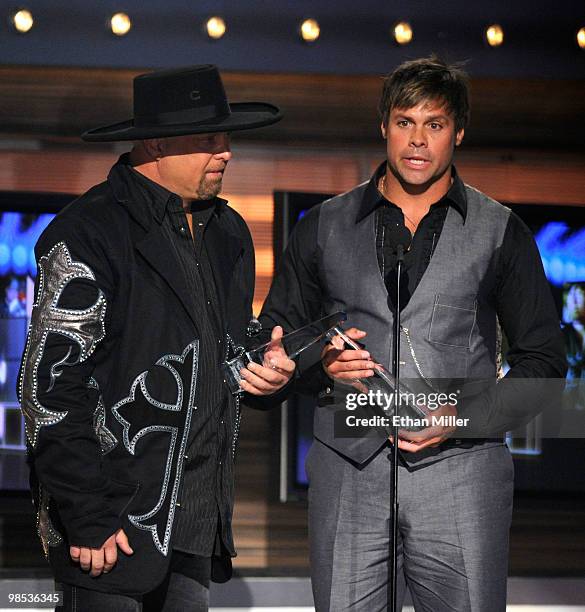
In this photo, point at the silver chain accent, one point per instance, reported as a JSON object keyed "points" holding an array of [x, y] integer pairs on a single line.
{"points": [[499, 354], [237, 422], [237, 350], [416, 363]]}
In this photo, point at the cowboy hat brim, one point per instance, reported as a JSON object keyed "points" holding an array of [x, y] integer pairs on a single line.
{"points": [[243, 116]]}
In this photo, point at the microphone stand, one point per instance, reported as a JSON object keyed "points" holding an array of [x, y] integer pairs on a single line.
{"points": [[394, 485]]}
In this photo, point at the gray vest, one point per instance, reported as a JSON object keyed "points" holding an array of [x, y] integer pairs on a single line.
{"points": [[450, 323]]}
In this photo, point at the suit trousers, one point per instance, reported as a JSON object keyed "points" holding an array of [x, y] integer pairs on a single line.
{"points": [[453, 528]]}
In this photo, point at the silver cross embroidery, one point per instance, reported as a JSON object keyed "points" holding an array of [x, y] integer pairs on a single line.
{"points": [[85, 327], [139, 403]]}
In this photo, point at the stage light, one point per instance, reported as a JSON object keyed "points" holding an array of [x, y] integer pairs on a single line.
{"points": [[22, 21], [494, 35], [402, 33], [215, 27], [581, 38], [120, 24], [310, 30]]}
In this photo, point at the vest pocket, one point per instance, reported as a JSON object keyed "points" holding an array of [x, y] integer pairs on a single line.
{"points": [[452, 320]]}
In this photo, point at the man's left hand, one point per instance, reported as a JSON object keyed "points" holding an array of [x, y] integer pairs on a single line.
{"points": [[414, 441], [276, 371]]}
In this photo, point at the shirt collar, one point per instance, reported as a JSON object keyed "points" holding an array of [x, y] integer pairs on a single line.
{"points": [[372, 198], [130, 187]]}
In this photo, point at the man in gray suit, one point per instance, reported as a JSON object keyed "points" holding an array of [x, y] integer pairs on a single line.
{"points": [[471, 267]]}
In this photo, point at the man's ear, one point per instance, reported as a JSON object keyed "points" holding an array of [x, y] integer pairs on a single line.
{"points": [[459, 137], [383, 129]]}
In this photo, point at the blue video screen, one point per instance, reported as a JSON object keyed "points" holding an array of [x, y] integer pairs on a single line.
{"points": [[19, 232], [562, 249]]}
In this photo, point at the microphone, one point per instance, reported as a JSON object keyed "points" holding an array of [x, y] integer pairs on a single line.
{"points": [[398, 240]]}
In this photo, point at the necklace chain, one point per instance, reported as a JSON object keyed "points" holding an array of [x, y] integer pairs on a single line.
{"points": [[383, 185]]}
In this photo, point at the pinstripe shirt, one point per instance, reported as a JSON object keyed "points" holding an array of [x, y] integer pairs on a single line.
{"points": [[206, 498]]}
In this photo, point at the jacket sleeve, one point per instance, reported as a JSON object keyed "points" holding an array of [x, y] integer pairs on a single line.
{"points": [[68, 328], [296, 299]]}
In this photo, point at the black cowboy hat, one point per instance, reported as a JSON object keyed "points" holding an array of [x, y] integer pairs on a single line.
{"points": [[184, 101]]}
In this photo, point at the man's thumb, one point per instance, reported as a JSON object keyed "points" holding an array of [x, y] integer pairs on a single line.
{"points": [[277, 333], [122, 542]]}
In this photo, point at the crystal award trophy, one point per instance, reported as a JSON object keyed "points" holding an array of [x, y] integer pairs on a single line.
{"points": [[294, 343], [382, 386]]}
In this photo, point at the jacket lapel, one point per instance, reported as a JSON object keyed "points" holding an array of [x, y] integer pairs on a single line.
{"points": [[159, 254]]}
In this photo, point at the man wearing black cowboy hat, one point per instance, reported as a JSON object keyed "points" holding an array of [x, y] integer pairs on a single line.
{"points": [[145, 287]]}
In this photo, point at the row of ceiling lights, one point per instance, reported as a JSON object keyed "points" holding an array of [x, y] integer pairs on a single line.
{"points": [[309, 30]]}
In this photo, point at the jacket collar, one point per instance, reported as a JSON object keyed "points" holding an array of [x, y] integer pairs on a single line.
{"points": [[144, 199]]}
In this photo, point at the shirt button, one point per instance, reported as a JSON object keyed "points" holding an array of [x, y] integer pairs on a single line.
{"points": [[222, 422], [194, 407], [183, 230]]}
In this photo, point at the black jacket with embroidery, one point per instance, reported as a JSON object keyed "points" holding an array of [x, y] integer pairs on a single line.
{"points": [[108, 378]]}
